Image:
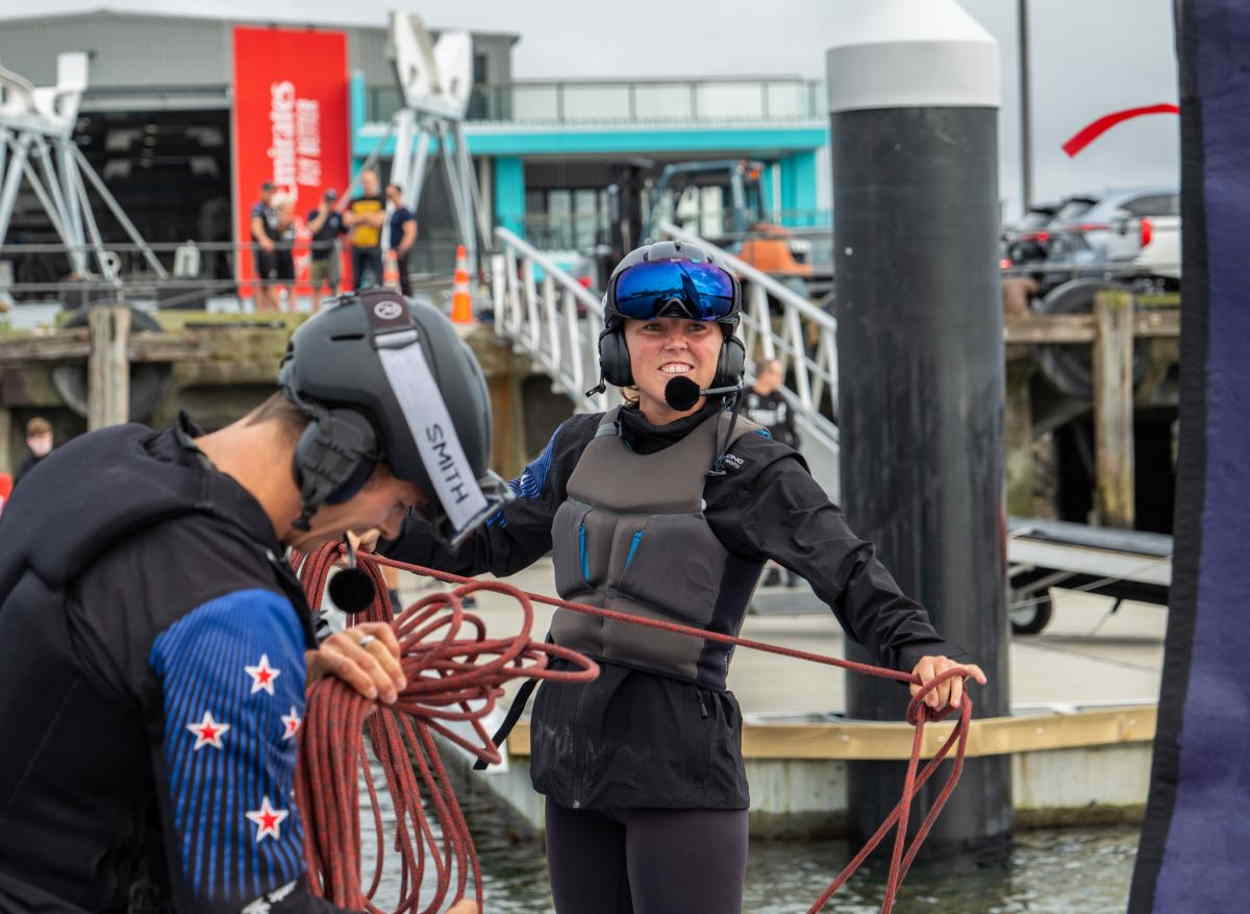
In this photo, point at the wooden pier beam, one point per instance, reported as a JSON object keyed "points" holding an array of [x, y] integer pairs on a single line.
{"points": [[1018, 438], [1113, 409], [108, 366]]}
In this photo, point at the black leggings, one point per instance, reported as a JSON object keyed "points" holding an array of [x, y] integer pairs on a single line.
{"points": [[646, 861]]}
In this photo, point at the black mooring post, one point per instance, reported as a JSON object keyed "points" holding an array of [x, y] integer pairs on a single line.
{"points": [[913, 94]]}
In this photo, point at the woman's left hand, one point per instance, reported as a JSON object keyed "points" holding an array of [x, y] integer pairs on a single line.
{"points": [[371, 668], [950, 694]]}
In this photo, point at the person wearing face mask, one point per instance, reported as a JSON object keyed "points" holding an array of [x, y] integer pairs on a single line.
{"points": [[155, 645], [668, 508], [39, 444]]}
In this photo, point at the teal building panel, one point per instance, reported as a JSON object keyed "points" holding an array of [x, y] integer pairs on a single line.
{"points": [[510, 193]]}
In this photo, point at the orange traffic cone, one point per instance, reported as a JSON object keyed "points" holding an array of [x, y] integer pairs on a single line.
{"points": [[461, 302], [390, 270]]}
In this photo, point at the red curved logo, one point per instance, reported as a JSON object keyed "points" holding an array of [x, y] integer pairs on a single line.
{"points": [[1088, 134]]}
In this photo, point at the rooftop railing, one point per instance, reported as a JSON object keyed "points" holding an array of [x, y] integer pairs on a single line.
{"points": [[637, 101]]}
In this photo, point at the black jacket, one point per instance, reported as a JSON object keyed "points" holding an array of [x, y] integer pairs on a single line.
{"points": [[635, 739], [151, 678]]}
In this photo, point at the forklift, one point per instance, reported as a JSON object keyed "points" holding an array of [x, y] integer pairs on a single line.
{"points": [[749, 230]]}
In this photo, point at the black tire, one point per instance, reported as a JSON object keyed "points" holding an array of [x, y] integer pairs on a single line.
{"points": [[1069, 366], [148, 380], [1031, 619]]}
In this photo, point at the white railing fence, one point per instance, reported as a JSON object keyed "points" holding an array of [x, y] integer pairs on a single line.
{"points": [[554, 319]]}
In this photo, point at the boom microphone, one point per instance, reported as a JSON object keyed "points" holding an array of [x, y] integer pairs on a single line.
{"points": [[352, 589], [682, 393]]}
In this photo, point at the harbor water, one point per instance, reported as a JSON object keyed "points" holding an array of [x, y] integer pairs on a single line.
{"points": [[1046, 871]]}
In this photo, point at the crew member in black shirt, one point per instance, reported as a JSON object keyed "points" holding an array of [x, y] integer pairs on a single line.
{"points": [[764, 405], [264, 229], [403, 232], [325, 225]]}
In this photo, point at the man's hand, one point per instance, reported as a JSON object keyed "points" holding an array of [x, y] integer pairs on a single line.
{"points": [[371, 668], [365, 542], [463, 907], [949, 694]]}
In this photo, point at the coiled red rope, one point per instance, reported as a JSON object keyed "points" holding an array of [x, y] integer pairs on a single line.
{"points": [[452, 678]]}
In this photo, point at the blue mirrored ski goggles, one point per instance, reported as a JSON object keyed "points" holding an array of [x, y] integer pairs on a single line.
{"points": [[699, 291]]}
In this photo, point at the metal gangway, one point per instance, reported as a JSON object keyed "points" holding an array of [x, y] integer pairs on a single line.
{"points": [[547, 314]]}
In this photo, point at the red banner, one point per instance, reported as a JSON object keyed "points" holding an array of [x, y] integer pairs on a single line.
{"points": [[290, 129]]}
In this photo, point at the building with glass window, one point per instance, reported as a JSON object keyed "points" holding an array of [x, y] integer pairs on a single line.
{"points": [[554, 160]]}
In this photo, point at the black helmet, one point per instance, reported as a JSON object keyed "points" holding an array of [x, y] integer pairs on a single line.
{"points": [[670, 279], [386, 378]]}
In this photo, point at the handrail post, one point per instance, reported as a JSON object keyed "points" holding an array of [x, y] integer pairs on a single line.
{"points": [[552, 316], [794, 335], [764, 319], [498, 287], [572, 326], [513, 293], [531, 303]]}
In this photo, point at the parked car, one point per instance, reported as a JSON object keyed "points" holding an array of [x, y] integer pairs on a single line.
{"points": [[1131, 236], [1025, 242]]}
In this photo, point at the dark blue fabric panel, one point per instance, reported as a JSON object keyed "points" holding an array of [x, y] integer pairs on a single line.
{"points": [[1207, 848]]}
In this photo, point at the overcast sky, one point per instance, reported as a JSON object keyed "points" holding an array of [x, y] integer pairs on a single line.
{"points": [[1090, 57]]}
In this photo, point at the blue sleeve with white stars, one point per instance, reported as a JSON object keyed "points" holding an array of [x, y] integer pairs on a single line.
{"points": [[532, 482], [232, 676]]}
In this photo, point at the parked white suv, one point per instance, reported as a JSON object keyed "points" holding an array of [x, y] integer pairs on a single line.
{"points": [[1132, 236]]}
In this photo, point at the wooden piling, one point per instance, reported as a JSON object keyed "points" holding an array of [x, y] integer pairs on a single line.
{"points": [[1018, 438], [1113, 409], [108, 366]]}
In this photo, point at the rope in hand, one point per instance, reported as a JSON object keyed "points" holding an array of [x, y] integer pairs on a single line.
{"points": [[443, 676], [449, 678]]}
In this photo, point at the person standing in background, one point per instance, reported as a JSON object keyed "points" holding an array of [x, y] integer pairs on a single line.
{"points": [[364, 217], [403, 232], [325, 225], [39, 442], [764, 404], [263, 226]]}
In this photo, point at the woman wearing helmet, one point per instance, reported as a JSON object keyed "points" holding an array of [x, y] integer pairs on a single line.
{"points": [[668, 508]]}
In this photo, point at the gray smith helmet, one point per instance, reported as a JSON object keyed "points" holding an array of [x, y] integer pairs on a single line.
{"points": [[385, 378]]}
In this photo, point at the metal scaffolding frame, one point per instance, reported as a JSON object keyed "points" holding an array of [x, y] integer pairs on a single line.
{"points": [[37, 143], [434, 81]]}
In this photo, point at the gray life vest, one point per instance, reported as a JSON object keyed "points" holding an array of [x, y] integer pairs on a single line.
{"points": [[631, 537]]}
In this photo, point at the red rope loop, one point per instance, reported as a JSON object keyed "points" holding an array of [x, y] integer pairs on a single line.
{"points": [[456, 673]]}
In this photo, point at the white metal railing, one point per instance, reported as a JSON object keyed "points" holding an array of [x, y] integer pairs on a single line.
{"points": [[554, 319], [549, 315]]}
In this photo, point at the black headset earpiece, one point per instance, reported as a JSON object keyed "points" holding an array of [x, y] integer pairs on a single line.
{"points": [[334, 457], [614, 357], [732, 362]]}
